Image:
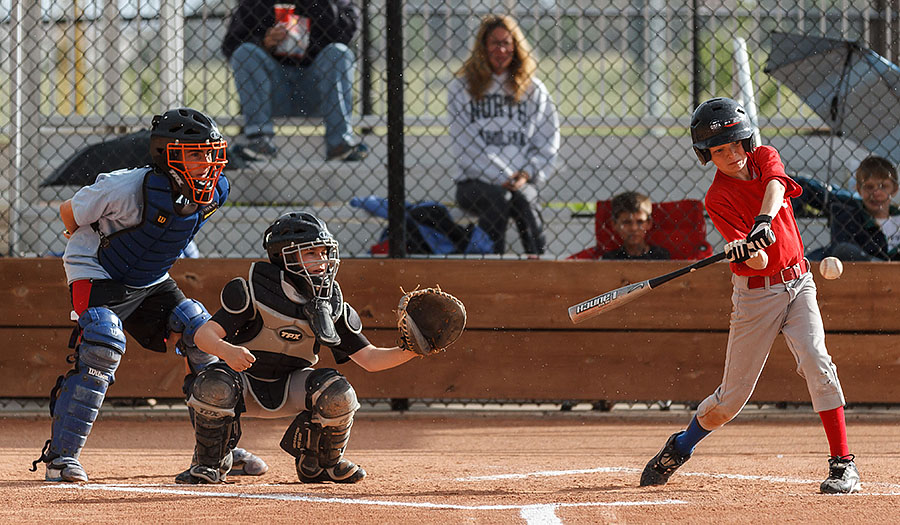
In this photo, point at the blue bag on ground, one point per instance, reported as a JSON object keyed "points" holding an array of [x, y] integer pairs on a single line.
{"points": [[430, 229]]}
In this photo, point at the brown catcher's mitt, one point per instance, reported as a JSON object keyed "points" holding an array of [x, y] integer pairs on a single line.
{"points": [[429, 320]]}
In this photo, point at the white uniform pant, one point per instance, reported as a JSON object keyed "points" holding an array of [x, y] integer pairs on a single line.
{"points": [[757, 317]]}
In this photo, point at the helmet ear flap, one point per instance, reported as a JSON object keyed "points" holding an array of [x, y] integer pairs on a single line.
{"points": [[749, 144], [703, 155]]}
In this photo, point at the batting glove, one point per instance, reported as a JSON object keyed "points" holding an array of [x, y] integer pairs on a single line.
{"points": [[761, 236], [738, 251]]}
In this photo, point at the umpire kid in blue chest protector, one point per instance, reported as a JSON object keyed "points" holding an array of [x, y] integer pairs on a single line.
{"points": [[124, 233]]}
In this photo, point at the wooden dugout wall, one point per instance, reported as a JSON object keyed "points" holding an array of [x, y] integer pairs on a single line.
{"points": [[519, 343]]}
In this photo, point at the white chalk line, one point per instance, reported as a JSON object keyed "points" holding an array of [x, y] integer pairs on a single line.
{"points": [[771, 479], [549, 473], [533, 514]]}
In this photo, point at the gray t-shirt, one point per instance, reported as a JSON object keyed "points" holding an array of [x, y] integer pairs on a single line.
{"points": [[115, 201]]}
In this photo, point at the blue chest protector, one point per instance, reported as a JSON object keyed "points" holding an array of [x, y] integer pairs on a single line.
{"points": [[139, 255]]}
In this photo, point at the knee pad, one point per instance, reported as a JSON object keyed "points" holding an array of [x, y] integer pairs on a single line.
{"points": [[82, 390], [215, 392], [214, 397], [187, 318], [102, 343], [331, 398]]}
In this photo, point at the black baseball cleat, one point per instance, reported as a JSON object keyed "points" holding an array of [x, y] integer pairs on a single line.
{"points": [[843, 477], [663, 464], [344, 472]]}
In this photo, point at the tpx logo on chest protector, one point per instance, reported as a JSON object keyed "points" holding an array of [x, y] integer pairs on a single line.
{"points": [[290, 334]]}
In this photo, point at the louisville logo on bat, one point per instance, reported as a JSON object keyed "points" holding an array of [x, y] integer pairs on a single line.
{"points": [[605, 299]]}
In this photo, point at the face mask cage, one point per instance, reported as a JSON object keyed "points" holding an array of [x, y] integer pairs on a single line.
{"points": [[200, 164], [319, 273]]}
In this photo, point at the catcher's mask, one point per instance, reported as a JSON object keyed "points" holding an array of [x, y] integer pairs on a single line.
{"points": [[720, 121], [301, 245], [186, 145]]}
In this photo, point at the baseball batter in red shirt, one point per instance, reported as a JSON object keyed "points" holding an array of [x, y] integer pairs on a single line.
{"points": [[774, 292]]}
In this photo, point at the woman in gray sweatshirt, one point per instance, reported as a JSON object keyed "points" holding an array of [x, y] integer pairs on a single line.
{"points": [[505, 132]]}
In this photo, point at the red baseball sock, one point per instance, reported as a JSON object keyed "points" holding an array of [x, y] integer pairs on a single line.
{"points": [[835, 431]]}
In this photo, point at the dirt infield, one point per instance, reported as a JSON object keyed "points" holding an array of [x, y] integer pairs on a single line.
{"points": [[446, 467]]}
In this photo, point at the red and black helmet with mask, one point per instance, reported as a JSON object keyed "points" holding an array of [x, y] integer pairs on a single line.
{"points": [[186, 145], [720, 121]]}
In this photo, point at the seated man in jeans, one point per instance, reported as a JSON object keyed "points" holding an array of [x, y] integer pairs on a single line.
{"points": [[296, 65]]}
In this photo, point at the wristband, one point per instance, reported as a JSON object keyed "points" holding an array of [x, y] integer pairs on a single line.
{"points": [[762, 218]]}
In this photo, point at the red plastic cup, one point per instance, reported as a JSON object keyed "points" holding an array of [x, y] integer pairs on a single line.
{"points": [[283, 12]]}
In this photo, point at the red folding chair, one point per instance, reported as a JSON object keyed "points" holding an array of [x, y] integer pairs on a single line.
{"points": [[678, 226]]}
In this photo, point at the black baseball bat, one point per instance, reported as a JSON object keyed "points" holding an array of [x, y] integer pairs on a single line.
{"points": [[616, 298]]}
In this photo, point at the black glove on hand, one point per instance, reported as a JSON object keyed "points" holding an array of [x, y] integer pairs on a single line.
{"points": [[761, 235], [738, 251]]}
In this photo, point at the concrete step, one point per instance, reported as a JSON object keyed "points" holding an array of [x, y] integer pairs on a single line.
{"points": [[591, 168]]}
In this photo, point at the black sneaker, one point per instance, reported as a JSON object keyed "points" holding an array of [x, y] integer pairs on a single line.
{"points": [[663, 464], [259, 147], [843, 477], [347, 152]]}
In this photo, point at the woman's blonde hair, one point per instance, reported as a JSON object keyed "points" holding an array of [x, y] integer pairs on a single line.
{"points": [[477, 69]]}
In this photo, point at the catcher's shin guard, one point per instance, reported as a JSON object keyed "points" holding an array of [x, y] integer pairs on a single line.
{"points": [[77, 396], [214, 397], [307, 441], [318, 438]]}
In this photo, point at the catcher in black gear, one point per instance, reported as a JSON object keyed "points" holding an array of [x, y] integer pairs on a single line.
{"points": [[258, 351]]}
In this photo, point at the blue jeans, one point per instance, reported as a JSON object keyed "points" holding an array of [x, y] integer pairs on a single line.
{"points": [[269, 89]]}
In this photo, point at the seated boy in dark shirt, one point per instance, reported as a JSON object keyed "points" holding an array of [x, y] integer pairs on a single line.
{"points": [[631, 214], [868, 229]]}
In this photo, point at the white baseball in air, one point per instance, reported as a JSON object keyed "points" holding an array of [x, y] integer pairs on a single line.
{"points": [[831, 268]]}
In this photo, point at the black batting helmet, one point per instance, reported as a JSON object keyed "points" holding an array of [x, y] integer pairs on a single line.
{"points": [[292, 233], [720, 121], [187, 145]]}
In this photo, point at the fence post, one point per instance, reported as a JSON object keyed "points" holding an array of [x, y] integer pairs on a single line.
{"points": [[395, 142], [108, 63], [171, 69], [697, 88], [366, 70], [744, 82], [26, 116]]}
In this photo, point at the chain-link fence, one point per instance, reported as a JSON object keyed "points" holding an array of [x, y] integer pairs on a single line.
{"points": [[623, 77]]}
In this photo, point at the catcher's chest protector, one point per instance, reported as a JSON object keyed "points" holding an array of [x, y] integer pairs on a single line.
{"points": [[284, 329]]}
